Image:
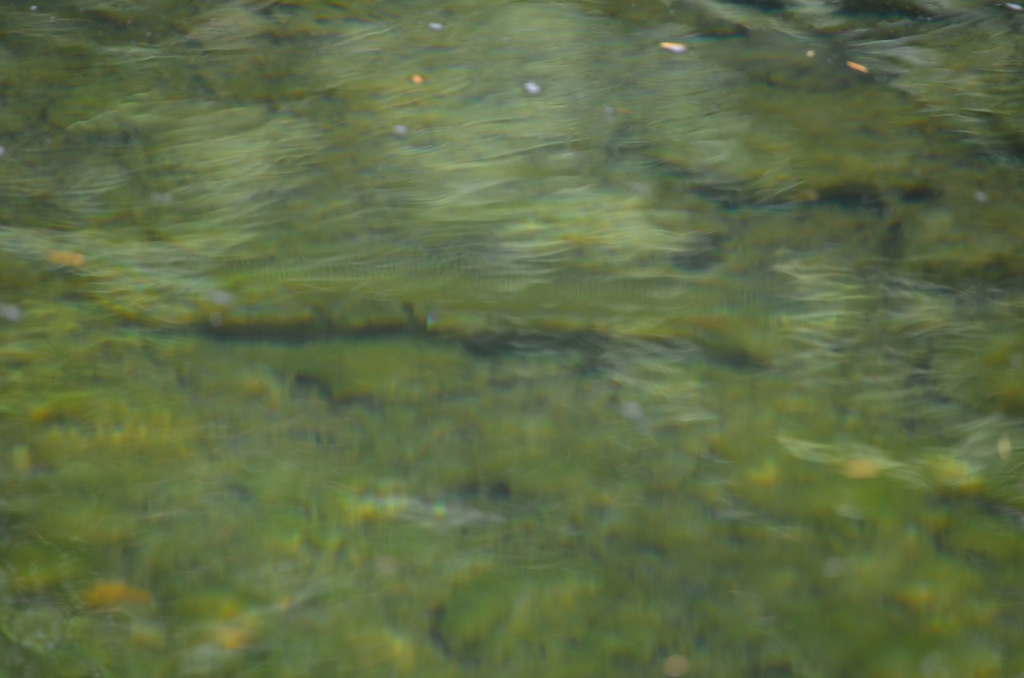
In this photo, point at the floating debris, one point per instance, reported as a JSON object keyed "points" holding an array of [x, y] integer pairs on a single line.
{"points": [[65, 258], [674, 47]]}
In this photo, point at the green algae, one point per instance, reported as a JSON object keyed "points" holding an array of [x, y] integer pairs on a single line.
{"points": [[316, 370]]}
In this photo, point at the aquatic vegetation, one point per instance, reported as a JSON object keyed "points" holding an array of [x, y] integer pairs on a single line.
{"points": [[349, 340], [975, 93]]}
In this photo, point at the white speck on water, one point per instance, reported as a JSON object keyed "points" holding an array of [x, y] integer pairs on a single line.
{"points": [[981, 196], [10, 312], [434, 26], [400, 130], [632, 410], [221, 298], [531, 88], [635, 413]]}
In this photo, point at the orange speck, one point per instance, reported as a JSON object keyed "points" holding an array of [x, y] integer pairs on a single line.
{"points": [[113, 592], [857, 67], [676, 47], [862, 468], [417, 79], [65, 258]]}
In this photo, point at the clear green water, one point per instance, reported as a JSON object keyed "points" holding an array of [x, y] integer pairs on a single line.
{"points": [[573, 356]]}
